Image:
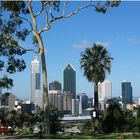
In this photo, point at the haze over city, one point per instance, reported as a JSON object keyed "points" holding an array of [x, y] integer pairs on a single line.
{"points": [[118, 30]]}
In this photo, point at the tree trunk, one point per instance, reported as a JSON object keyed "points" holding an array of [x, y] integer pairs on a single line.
{"points": [[44, 80], [96, 96]]}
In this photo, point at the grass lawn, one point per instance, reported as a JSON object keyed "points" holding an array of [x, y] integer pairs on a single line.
{"points": [[94, 136]]}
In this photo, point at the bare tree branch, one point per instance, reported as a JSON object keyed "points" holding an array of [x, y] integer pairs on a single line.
{"points": [[47, 18], [51, 6], [78, 9], [65, 4], [48, 22], [31, 50], [16, 45], [72, 13], [33, 16], [28, 50], [64, 15], [42, 8], [29, 23], [47, 26]]}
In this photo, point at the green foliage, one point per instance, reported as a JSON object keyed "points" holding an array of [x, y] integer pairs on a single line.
{"points": [[87, 128], [113, 119], [129, 122], [109, 3], [54, 119], [138, 118], [10, 31], [34, 40], [16, 7], [6, 82], [96, 62]]}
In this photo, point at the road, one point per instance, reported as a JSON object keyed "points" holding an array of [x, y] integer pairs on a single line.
{"points": [[3, 137]]}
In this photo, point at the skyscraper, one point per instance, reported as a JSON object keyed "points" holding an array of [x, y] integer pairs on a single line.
{"points": [[126, 92], [0, 90], [75, 106], [56, 98], [55, 85], [67, 102], [105, 90], [36, 95], [84, 99], [60, 99], [69, 80]]}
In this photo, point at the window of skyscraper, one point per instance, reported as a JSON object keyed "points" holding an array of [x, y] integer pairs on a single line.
{"points": [[37, 81]]}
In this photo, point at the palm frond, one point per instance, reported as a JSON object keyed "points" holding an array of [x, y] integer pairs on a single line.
{"points": [[96, 63]]}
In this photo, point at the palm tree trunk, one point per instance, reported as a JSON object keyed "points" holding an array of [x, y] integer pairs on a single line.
{"points": [[45, 82], [96, 96]]}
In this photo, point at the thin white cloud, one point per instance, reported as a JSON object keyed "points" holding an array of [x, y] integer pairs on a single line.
{"points": [[130, 66], [82, 45], [134, 41], [105, 44], [86, 44]]}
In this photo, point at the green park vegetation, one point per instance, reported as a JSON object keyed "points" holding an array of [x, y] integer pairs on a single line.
{"points": [[94, 136], [113, 124]]}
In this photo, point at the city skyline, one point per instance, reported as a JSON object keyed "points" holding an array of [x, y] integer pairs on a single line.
{"points": [[118, 30]]}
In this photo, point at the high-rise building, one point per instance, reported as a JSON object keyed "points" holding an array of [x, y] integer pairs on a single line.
{"points": [[138, 102], [80, 105], [56, 98], [36, 95], [55, 85], [69, 80], [104, 90], [0, 90], [7, 101], [126, 92], [67, 102], [84, 99], [75, 107], [61, 99]]}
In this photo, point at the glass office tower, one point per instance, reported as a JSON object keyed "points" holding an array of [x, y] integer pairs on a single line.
{"points": [[69, 80], [127, 92]]}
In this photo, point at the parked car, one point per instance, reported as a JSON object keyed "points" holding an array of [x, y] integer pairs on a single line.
{"points": [[5, 129]]}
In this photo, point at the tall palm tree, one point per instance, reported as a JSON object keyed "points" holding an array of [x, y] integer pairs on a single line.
{"points": [[96, 62]]}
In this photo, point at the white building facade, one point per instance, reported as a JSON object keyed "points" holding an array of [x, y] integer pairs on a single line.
{"points": [[36, 93], [105, 90]]}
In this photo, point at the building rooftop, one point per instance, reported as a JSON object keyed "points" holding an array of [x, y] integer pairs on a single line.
{"points": [[74, 118]]}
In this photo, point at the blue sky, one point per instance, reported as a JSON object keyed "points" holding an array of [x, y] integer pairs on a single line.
{"points": [[118, 29]]}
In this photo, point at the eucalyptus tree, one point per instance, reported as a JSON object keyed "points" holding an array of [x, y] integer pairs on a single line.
{"points": [[96, 63], [27, 13], [10, 31]]}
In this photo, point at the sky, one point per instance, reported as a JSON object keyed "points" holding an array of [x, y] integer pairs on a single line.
{"points": [[118, 30]]}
